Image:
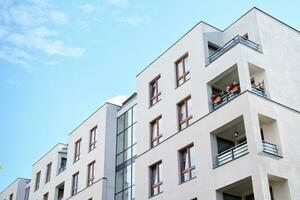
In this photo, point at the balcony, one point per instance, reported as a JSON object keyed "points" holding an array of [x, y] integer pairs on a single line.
{"points": [[270, 148], [232, 43], [259, 88], [218, 99], [232, 154]]}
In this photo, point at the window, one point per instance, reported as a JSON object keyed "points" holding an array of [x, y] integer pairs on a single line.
{"points": [[27, 193], [45, 197], [155, 131], [91, 173], [154, 91], [11, 196], [246, 36], [187, 163], [75, 183], [184, 113], [37, 180], [63, 163], [156, 178], [48, 172], [182, 70], [77, 150], [93, 137]]}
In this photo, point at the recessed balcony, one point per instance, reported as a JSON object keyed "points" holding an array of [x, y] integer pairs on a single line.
{"points": [[229, 142], [224, 88], [257, 78], [214, 55]]}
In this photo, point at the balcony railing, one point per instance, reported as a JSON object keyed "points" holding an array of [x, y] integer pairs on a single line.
{"points": [[259, 88], [270, 148], [232, 153], [229, 45], [61, 169], [225, 99]]}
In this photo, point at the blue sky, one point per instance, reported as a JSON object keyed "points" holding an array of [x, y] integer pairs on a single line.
{"points": [[59, 61]]}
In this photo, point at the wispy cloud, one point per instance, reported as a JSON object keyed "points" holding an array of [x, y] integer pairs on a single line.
{"points": [[118, 2], [12, 80], [130, 20], [25, 32], [87, 8]]}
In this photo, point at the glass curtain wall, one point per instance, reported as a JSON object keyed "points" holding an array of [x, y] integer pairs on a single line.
{"points": [[126, 153]]}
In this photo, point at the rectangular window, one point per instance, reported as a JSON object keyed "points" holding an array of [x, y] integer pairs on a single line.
{"points": [[184, 113], [27, 193], [155, 129], [91, 173], [187, 163], [48, 173], [37, 181], [45, 197], [154, 91], [93, 138], [75, 183], [77, 150], [11, 196], [156, 179], [63, 164], [182, 70]]}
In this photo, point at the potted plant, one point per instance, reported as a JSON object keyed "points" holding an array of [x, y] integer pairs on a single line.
{"points": [[215, 98], [233, 87]]}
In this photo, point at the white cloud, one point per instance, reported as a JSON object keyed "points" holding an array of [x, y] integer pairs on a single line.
{"points": [[87, 8], [58, 17], [12, 80], [118, 100], [24, 32]]}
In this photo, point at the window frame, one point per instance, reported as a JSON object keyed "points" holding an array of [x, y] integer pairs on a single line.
{"points": [[48, 172], [77, 149], [156, 166], [37, 181], [154, 124], [91, 176], [184, 72], [188, 116], [93, 138], [155, 98], [75, 178], [190, 168]]}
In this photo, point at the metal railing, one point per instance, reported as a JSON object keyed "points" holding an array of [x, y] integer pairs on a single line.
{"points": [[61, 169], [270, 148], [232, 153], [225, 99], [229, 45], [259, 88]]}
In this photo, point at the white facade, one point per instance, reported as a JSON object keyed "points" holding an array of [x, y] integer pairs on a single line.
{"points": [[243, 126], [16, 190]]}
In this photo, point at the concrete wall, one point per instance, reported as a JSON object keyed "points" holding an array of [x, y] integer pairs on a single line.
{"points": [[17, 188]]}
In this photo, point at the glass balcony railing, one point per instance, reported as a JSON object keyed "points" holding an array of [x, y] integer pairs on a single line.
{"points": [[229, 45], [232, 153]]}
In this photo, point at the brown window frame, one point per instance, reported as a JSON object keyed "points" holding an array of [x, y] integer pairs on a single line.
{"points": [[37, 181], [190, 168], [154, 124], [77, 150], [91, 176], [188, 117], [93, 136], [184, 72], [74, 190], [48, 172], [156, 97], [159, 183]]}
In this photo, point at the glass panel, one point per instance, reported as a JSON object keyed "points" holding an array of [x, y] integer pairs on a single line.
{"points": [[129, 118], [126, 120], [133, 192], [121, 123], [189, 106], [120, 159], [119, 196], [133, 150], [192, 154], [182, 112], [127, 194], [154, 130], [134, 134], [160, 172], [184, 159], [134, 113], [127, 176], [179, 69], [133, 173], [127, 154], [120, 142], [127, 138], [193, 173], [186, 63], [154, 175], [119, 181]]}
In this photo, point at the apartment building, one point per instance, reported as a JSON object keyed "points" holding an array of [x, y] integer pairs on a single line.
{"points": [[216, 116]]}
